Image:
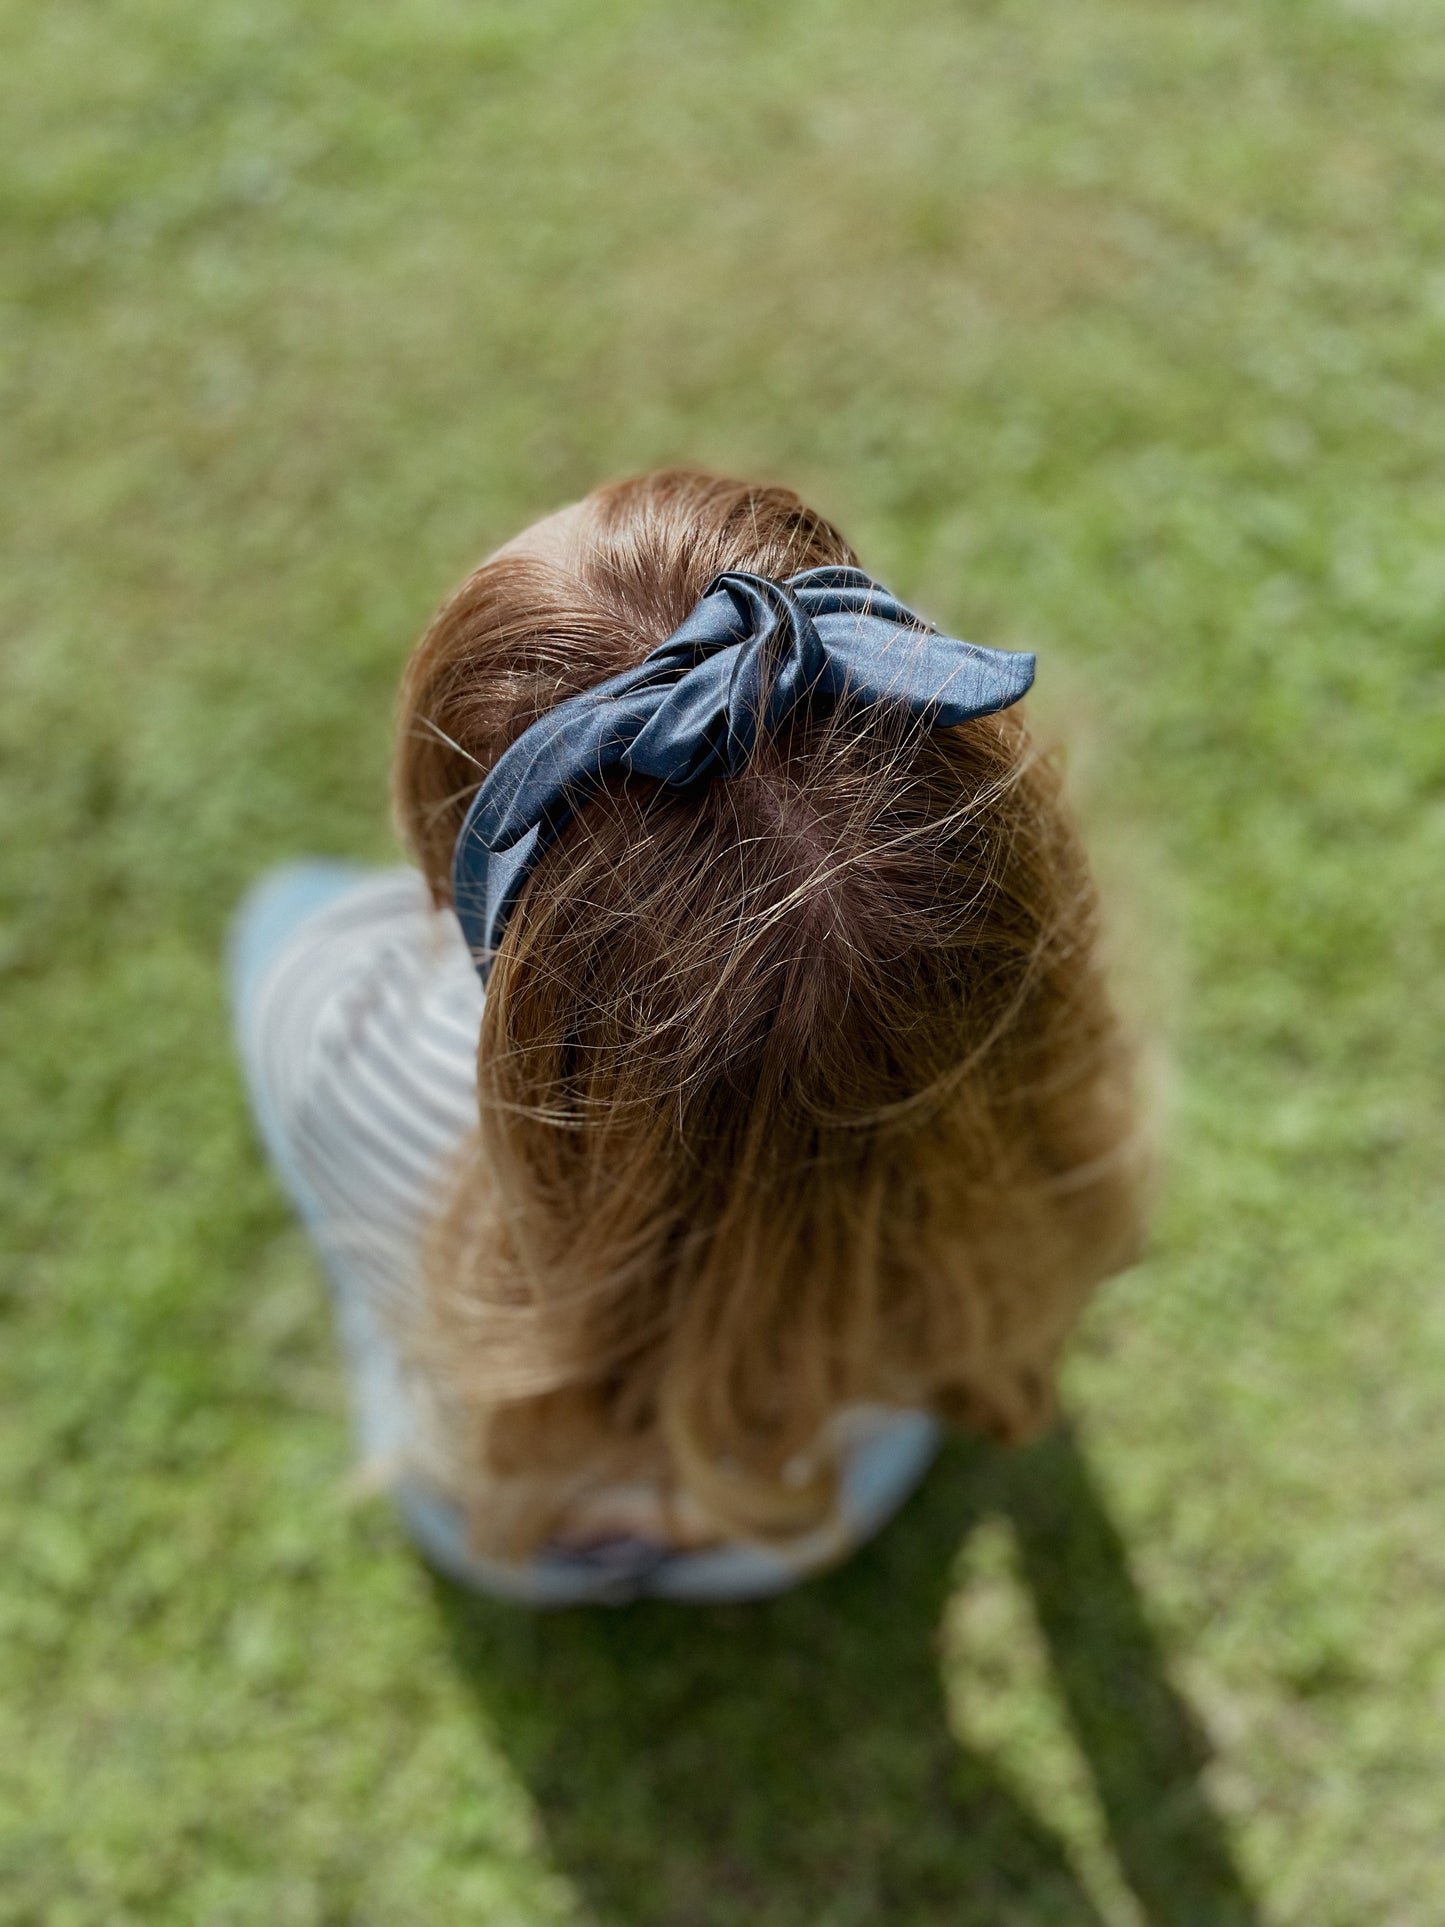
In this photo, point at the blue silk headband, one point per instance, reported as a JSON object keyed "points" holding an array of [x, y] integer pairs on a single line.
{"points": [[693, 708]]}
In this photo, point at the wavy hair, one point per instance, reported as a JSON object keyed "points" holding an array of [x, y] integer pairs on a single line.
{"points": [[797, 1093]]}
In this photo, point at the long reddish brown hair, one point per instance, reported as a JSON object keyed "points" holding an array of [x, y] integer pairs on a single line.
{"points": [[800, 1092]]}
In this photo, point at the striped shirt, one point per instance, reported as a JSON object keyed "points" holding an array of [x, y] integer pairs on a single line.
{"points": [[365, 1033]]}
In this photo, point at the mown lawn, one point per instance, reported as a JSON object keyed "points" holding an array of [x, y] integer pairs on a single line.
{"points": [[1111, 330]]}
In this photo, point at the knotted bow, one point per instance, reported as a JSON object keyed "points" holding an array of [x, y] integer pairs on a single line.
{"points": [[692, 711]]}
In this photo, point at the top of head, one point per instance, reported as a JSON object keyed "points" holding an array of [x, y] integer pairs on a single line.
{"points": [[851, 912]]}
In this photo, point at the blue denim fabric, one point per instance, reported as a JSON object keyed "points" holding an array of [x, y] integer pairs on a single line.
{"points": [[751, 652]]}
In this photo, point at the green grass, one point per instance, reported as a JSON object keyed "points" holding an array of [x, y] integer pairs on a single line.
{"points": [[1112, 330]]}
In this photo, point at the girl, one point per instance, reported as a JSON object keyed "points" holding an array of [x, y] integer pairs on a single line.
{"points": [[793, 1121]]}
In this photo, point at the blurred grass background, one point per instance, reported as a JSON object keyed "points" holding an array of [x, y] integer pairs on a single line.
{"points": [[1111, 328]]}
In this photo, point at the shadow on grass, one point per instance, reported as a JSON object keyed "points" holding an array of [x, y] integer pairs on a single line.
{"points": [[790, 1761]]}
